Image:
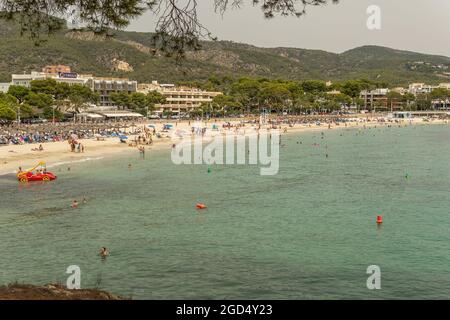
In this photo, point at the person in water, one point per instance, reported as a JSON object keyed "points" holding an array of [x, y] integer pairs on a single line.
{"points": [[74, 204], [104, 252], [84, 200]]}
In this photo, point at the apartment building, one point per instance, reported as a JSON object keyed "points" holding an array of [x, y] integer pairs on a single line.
{"points": [[106, 86], [179, 99], [62, 74], [378, 100]]}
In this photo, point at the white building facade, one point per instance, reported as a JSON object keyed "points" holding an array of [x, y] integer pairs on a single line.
{"points": [[179, 99], [4, 87]]}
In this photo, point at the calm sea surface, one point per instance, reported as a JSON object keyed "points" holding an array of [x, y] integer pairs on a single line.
{"points": [[307, 233]]}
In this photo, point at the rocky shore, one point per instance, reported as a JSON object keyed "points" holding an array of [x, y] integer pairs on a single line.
{"points": [[52, 292]]}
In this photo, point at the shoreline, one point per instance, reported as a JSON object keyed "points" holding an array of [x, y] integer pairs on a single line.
{"points": [[57, 153]]}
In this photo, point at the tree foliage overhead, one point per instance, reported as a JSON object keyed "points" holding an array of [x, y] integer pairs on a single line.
{"points": [[178, 27]]}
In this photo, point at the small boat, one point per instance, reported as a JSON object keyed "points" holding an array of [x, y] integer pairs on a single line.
{"points": [[41, 175]]}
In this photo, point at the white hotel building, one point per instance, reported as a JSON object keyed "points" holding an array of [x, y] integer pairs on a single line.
{"points": [[103, 86], [180, 99], [422, 88]]}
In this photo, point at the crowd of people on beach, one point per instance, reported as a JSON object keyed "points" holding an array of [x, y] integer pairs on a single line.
{"points": [[41, 133]]}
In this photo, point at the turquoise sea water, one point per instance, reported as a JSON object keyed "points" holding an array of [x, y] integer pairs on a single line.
{"points": [[307, 233]]}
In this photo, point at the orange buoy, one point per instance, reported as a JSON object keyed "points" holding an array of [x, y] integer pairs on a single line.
{"points": [[379, 219], [200, 206]]}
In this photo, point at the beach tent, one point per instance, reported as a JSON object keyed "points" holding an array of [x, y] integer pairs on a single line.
{"points": [[168, 126], [151, 126]]}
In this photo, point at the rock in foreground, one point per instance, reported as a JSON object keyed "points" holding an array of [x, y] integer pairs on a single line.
{"points": [[52, 292]]}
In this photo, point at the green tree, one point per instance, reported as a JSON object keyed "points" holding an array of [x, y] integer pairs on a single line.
{"points": [[353, 88], [393, 98], [19, 92], [6, 111], [423, 101], [39, 100], [81, 97], [177, 29], [224, 104], [154, 98], [440, 93], [50, 112], [121, 99], [47, 86], [314, 86]]}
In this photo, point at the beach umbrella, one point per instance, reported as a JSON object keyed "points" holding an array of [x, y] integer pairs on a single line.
{"points": [[74, 136], [123, 137]]}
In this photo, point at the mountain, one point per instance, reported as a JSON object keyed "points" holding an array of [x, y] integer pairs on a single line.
{"points": [[129, 54]]}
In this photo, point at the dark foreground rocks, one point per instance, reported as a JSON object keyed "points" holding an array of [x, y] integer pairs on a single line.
{"points": [[52, 292]]}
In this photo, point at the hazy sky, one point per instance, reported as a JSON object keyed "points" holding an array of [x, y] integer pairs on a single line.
{"points": [[416, 25]]}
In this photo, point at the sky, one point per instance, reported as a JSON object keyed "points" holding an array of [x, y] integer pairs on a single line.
{"points": [[414, 25]]}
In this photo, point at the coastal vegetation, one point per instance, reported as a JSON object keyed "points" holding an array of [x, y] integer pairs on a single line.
{"points": [[87, 53], [137, 101], [177, 29], [48, 99], [253, 95]]}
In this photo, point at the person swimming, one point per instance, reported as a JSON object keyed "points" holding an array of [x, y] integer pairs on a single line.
{"points": [[104, 252]]}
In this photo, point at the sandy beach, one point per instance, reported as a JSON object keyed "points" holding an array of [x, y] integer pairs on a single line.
{"points": [[57, 153]]}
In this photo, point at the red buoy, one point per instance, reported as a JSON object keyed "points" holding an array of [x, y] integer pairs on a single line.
{"points": [[379, 219], [200, 206]]}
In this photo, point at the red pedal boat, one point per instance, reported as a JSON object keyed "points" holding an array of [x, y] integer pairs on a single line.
{"points": [[41, 175]]}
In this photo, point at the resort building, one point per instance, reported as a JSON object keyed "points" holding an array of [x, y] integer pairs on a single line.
{"points": [[106, 86], [62, 74], [179, 99], [400, 90], [25, 79], [70, 78], [378, 100], [422, 88], [374, 98], [445, 85], [441, 104]]}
